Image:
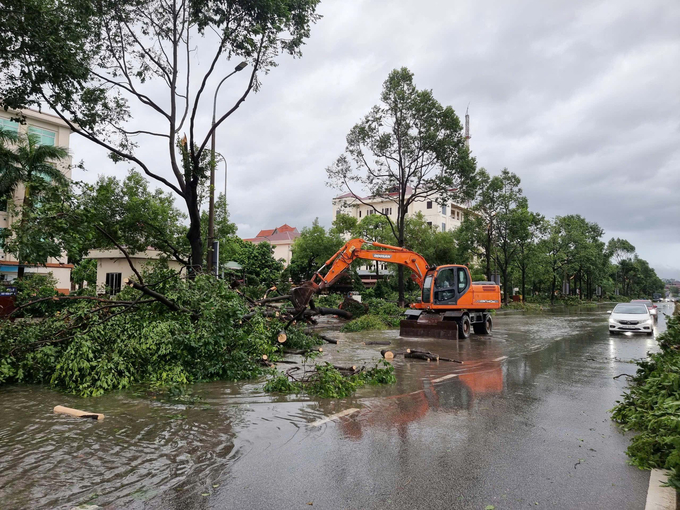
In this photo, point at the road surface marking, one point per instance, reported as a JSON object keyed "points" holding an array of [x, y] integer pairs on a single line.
{"points": [[500, 359], [444, 378], [659, 498], [333, 417]]}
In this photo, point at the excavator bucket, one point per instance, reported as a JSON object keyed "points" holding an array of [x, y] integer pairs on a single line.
{"points": [[302, 295], [429, 325]]}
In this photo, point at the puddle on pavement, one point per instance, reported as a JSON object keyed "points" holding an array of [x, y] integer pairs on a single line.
{"points": [[147, 447]]}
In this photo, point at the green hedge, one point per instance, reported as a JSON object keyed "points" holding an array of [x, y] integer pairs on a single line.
{"points": [[652, 408]]}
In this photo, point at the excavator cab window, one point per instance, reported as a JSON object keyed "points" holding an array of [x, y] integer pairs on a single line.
{"points": [[427, 287], [463, 281], [450, 284], [445, 286]]}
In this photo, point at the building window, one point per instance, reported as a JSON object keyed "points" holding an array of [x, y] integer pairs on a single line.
{"points": [[3, 204], [457, 215], [429, 204], [45, 137], [387, 210], [360, 213], [9, 125], [444, 210], [429, 223], [443, 227], [113, 281]]}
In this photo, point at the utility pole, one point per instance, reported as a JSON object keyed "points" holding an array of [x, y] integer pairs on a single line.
{"points": [[211, 204]]}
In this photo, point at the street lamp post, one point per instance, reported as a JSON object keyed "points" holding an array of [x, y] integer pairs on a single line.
{"points": [[211, 206]]}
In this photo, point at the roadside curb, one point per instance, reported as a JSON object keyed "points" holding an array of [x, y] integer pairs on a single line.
{"points": [[660, 498]]}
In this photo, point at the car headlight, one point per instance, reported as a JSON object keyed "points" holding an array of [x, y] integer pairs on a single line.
{"points": [[612, 321], [646, 321]]}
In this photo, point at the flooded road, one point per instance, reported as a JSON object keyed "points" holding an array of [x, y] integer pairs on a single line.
{"points": [[522, 423]]}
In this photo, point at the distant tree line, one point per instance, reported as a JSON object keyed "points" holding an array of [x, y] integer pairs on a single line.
{"points": [[544, 259]]}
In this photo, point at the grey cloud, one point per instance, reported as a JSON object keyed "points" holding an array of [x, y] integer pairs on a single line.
{"points": [[580, 98]]}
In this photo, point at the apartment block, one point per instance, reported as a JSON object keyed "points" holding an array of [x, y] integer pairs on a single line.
{"points": [[444, 218], [51, 130]]}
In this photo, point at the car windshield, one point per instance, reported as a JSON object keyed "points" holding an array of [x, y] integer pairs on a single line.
{"points": [[630, 308], [645, 301]]}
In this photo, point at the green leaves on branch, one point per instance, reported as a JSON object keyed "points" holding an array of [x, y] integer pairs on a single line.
{"points": [[92, 347], [328, 382]]}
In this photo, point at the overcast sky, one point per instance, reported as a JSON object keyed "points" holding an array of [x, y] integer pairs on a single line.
{"points": [[580, 99]]}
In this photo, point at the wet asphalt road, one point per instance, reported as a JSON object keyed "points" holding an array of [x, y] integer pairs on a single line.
{"points": [[523, 423], [528, 431]]}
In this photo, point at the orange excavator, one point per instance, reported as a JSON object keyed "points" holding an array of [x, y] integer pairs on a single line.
{"points": [[451, 304]]}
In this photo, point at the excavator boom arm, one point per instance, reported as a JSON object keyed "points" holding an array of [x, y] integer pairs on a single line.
{"points": [[352, 250]]}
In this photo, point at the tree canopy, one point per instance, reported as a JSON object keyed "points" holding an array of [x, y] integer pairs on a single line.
{"points": [[408, 148], [90, 62]]}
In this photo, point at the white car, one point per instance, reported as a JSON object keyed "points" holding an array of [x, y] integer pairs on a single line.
{"points": [[631, 318]]}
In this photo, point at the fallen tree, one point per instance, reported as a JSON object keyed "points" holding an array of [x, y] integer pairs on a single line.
{"points": [[161, 329]]}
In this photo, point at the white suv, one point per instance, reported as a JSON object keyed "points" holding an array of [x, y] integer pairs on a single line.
{"points": [[631, 318]]}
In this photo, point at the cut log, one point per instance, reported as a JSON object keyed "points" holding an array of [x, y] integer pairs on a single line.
{"points": [[451, 360], [421, 355], [265, 357], [387, 354], [302, 351], [282, 337], [328, 339], [353, 368], [439, 358], [77, 413]]}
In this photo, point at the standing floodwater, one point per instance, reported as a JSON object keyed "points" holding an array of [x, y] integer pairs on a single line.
{"points": [[524, 420]]}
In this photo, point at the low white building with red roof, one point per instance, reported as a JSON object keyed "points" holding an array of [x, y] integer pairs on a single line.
{"points": [[281, 239]]}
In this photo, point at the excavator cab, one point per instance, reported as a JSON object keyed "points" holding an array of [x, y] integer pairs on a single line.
{"points": [[445, 285]]}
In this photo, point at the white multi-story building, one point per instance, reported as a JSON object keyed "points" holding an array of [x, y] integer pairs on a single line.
{"points": [[444, 218], [51, 130]]}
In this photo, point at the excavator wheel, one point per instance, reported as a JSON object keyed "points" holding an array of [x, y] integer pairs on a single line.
{"points": [[484, 327], [464, 327]]}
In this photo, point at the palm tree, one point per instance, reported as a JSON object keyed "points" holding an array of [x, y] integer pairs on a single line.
{"points": [[23, 160]]}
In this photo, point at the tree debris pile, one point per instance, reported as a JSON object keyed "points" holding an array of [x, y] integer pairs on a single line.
{"points": [[330, 381], [377, 314], [652, 406], [160, 329]]}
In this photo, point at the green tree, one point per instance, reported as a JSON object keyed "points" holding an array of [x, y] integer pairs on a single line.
{"points": [[406, 149], [24, 161], [311, 250], [344, 225], [509, 225], [532, 228], [261, 268], [88, 61], [486, 208], [619, 250], [85, 272], [80, 217]]}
